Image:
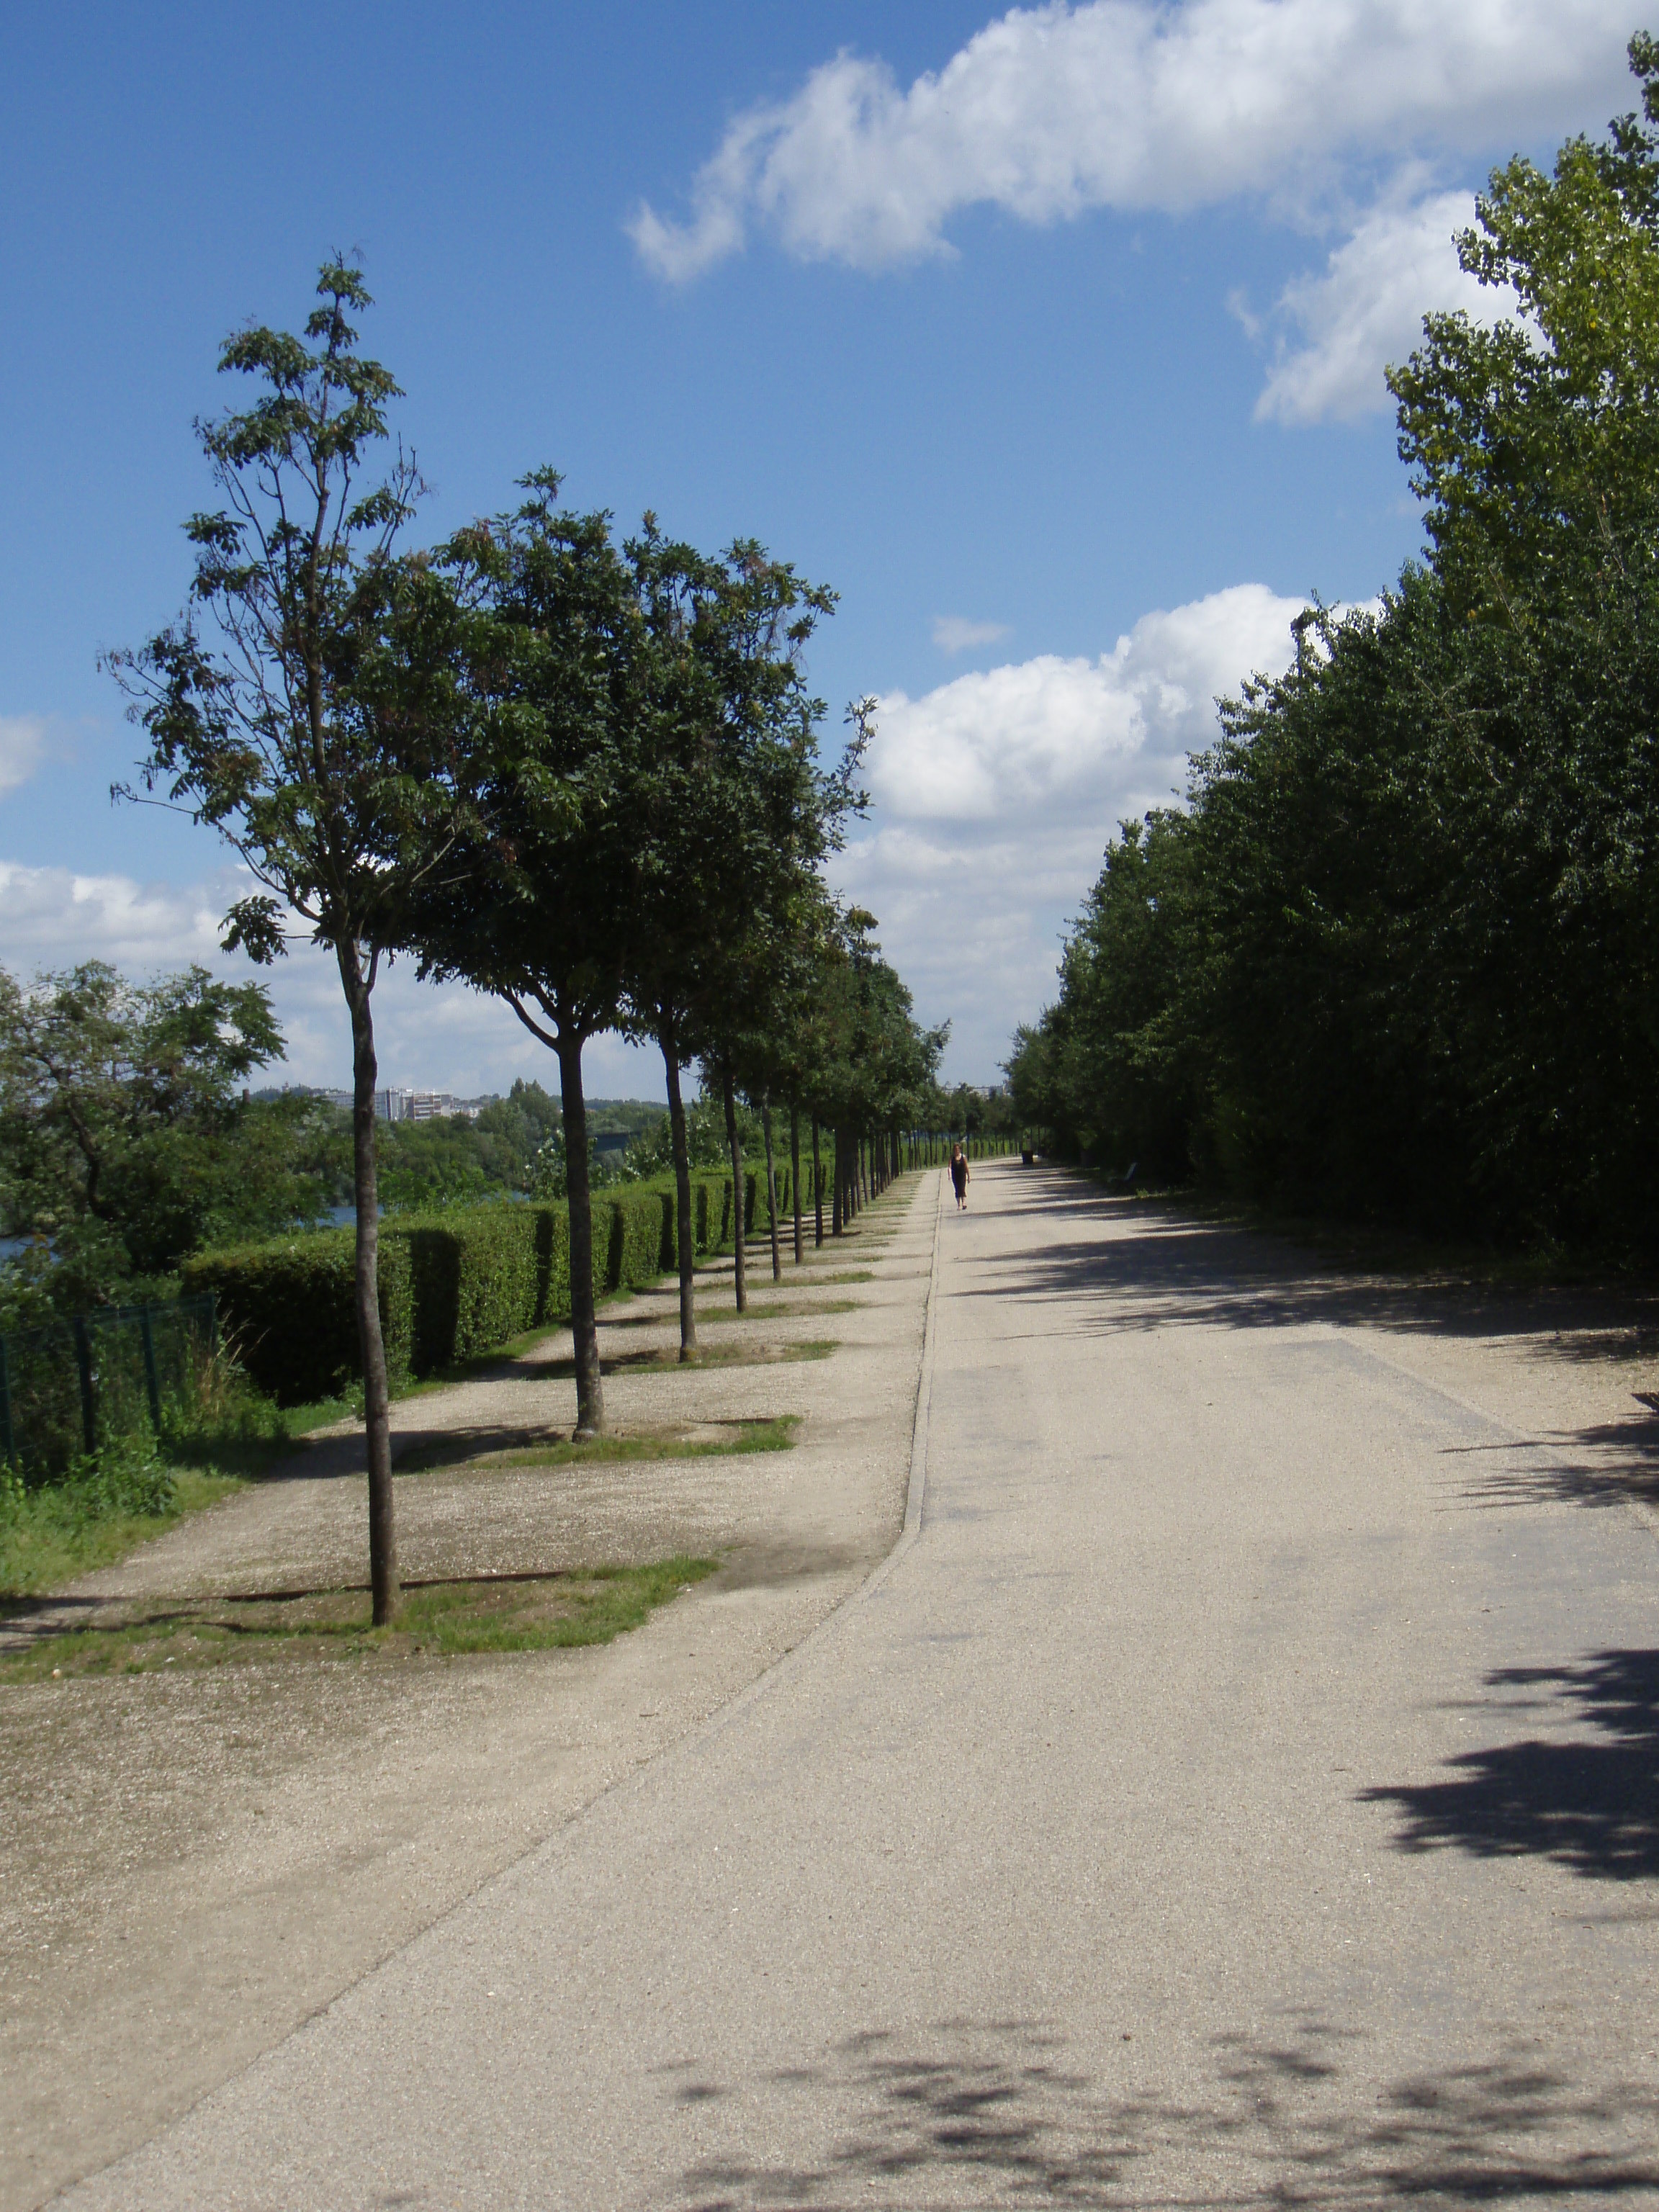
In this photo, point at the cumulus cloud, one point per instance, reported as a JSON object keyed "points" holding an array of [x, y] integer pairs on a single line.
{"points": [[952, 633], [1365, 311], [1051, 110], [1022, 740], [23, 739], [994, 796], [440, 1037]]}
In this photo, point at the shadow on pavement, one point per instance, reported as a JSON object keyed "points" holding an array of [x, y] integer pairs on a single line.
{"points": [[1171, 1269], [1000, 2114], [1158, 1269], [1591, 1804]]}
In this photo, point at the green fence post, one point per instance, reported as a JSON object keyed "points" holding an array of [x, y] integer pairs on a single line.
{"points": [[152, 1380], [89, 1403]]}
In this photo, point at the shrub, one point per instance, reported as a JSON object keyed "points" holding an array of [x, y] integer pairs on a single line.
{"points": [[453, 1286], [288, 1313], [481, 1275]]}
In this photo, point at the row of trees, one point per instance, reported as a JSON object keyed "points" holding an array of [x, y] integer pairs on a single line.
{"points": [[1398, 955], [580, 774], [129, 1138]]}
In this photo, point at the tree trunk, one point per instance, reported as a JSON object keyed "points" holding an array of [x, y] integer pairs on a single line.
{"points": [[817, 1188], [837, 1184], [739, 1226], [794, 1178], [685, 1230], [377, 1397], [584, 1319], [771, 1187]]}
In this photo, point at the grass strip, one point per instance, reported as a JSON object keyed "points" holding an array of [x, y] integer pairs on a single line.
{"points": [[724, 1354], [465, 1450], [49, 1536], [476, 1614], [778, 1313]]}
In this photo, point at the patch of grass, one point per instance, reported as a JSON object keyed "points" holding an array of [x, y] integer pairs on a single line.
{"points": [[258, 1438], [699, 1440], [779, 1313], [847, 1275], [49, 1536], [480, 1613], [724, 1353]]}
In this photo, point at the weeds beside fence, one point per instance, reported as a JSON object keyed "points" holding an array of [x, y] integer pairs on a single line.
{"points": [[71, 1389]]}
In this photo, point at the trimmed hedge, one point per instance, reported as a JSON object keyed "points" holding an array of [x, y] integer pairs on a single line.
{"points": [[453, 1286], [288, 1314]]}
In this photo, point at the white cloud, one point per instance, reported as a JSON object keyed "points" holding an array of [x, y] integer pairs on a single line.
{"points": [[1053, 110], [994, 794], [1366, 310], [440, 1037], [22, 737], [1017, 741], [952, 633]]}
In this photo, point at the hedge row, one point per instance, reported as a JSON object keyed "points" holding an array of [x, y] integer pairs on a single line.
{"points": [[453, 1285]]}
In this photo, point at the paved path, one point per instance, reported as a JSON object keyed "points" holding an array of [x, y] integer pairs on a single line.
{"points": [[1242, 1791]]}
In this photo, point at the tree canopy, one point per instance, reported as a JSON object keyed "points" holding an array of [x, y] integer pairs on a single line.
{"points": [[1396, 955]]}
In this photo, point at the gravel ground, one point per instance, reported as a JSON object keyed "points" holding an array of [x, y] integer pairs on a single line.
{"points": [[192, 1863]]}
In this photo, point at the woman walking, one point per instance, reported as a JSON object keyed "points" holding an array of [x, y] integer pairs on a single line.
{"points": [[959, 1175]]}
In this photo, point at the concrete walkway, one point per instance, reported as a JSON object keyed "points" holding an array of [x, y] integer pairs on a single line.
{"points": [[1241, 1791], [195, 1860]]}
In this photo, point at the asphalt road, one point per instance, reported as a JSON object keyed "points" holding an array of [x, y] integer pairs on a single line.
{"points": [[1240, 1790]]}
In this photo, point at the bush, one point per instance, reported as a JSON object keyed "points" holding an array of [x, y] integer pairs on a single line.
{"points": [[287, 1309], [481, 1275], [453, 1286]]}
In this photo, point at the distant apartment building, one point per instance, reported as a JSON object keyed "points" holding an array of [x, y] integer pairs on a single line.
{"points": [[399, 1105]]}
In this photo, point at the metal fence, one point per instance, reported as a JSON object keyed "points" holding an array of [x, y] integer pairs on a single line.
{"points": [[67, 1388]]}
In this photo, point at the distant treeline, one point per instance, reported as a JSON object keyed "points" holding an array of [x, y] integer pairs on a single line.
{"points": [[452, 1158], [1398, 956]]}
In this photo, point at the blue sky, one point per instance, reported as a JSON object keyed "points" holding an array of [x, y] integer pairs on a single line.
{"points": [[1053, 340]]}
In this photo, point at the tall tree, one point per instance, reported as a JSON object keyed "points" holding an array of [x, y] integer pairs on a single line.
{"points": [[126, 1135], [282, 711], [538, 901], [737, 812]]}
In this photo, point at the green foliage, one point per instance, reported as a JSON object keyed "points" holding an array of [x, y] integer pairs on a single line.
{"points": [[125, 1138], [866, 1063], [1400, 956], [300, 706], [511, 1131], [287, 1309], [51, 1533], [453, 1287], [653, 1151]]}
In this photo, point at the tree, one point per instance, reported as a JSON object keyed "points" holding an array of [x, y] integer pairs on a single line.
{"points": [[874, 1064], [537, 900], [735, 814], [125, 1136], [1398, 956], [294, 709]]}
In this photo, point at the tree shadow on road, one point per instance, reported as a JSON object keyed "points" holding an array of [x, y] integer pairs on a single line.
{"points": [[1005, 2113], [1159, 1269], [1606, 1463], [1589, 1804], [1165, 1268]]}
